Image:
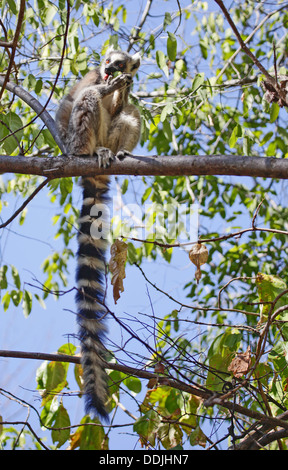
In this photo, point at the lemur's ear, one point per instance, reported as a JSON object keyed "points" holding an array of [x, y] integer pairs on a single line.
{"points": [[110, 49], [136, 61]]}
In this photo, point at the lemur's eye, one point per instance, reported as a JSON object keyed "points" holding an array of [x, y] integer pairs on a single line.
{"points": [[107, 61], [121, 65]]}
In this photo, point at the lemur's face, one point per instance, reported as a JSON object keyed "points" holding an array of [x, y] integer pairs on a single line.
{"points": [[118, 61]]}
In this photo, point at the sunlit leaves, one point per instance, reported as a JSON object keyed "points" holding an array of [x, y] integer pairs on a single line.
{"points": [[10, 132], [90, 435], [220, 355], [13, 6], [51, 380], [18, 295], [55, 265], [272, 292], [179, 412]]}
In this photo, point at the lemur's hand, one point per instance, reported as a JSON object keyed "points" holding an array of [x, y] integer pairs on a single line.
{"points": [[125, 79], [105, 157]]}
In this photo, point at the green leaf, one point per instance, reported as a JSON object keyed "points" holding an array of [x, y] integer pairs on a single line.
{"points": [[40, 300], [146, 425], [269, 287], [169, 435], [197, 437], [3, 278], [274, 112], [6, 301], [236, 133], [66, 186], [16, 297], [38, 86], [171, 402], [90, 437], [61, 420], [220, 355], [167, 130], [16, 277], [27, 303], [146, 194], [49, 412], [29, 82], [172, 47], [13, 7], [167, 20], [12, 124], [49, 14], [124, 186], [189, 410], [162, 62], [134, 384], [266, 138], [51, 378], [167, 110], [197, 81], [68, 349]]}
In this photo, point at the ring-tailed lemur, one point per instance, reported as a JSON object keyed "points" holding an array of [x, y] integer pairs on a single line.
{"points": [[96, 118]]}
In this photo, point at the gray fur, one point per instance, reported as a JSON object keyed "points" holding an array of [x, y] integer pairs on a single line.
{"points": [[96, 118]]}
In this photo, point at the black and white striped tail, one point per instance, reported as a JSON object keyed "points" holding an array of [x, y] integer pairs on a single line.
{"points": [[90, 295]]}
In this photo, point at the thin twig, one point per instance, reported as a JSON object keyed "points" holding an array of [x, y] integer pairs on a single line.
{"points": [[14, 45], [138, 28], [247, 51], [25, 203]]}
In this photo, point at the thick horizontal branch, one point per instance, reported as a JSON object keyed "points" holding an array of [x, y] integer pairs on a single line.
{"points": [[176, 165]]}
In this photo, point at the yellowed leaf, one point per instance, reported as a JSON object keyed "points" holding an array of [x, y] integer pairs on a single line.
{"points": [[198, 255], [117, 267]]}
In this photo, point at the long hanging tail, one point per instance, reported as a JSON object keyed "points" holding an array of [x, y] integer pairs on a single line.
{"points": [[91, 292]]}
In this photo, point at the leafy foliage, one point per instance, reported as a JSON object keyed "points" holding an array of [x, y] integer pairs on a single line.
{"points": [[198, 95]]}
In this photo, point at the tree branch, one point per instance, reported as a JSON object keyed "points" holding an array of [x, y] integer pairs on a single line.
{"points": [[271, 80], [175, 165], [25, 203], [144, 374], [14, 46], [210, 398], [138, 28], [37, 107]]}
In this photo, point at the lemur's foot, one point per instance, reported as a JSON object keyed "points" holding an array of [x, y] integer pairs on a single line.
{"points": [[121, 154]]}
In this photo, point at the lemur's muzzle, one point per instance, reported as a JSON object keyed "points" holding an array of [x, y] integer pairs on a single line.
{"points": [[110, 70]]}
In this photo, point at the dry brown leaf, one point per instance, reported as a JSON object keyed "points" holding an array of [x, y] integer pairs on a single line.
{"points": [[152, 384], [117, 267], [240, 364], [159, 368], [198, 255]]}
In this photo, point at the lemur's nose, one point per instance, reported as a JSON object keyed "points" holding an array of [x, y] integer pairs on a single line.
{"points": [[110, 69]]}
